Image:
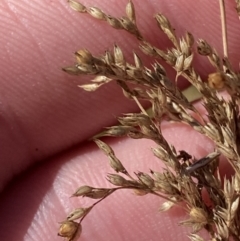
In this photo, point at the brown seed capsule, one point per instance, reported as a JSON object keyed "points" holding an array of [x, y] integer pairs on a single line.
{"points": [[189, 39], [83, 56], [117, 180], [118, 56], [119, 130], [114, 22], [129, 26], [104, 147], [204, 48], [98, 193], [198, 214], [90, 87], [82, 191], [116, 164], [167, 205], [78, 213], [96, 13], [77, 6], [216, 80], [236, 184], [70, 230], [91, 192], [130, 11], [146, 179]]}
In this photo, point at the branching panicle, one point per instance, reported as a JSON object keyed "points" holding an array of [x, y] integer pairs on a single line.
{"points": [[184, 178]]}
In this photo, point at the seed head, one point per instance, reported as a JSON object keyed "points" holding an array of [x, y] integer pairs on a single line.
{"points": [[70, 230]]}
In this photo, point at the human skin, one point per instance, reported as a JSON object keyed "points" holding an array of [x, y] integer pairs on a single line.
{"points": [[45, 119]]}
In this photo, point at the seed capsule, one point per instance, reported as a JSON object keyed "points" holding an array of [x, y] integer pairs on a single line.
{"points": [[216, 80], [70, 230]]}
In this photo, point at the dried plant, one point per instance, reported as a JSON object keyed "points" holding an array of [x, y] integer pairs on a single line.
{"points": [[183, 178]]}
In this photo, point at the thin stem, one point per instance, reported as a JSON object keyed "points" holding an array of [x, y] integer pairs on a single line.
{"points": [[108, 194], [224, 27], [139, 105]]}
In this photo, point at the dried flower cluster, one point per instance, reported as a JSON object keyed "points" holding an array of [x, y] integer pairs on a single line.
{"points": [[183, 178]]}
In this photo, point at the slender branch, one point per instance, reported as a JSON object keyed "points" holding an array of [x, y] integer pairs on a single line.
{"points": [[139, 105], [224, 27]]}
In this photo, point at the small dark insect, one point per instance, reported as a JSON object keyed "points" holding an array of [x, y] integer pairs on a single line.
{"points": [[202, 162]]}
